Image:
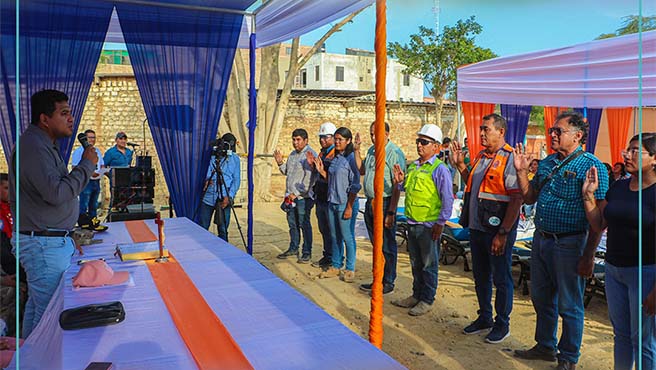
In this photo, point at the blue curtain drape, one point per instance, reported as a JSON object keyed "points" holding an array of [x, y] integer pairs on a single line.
{"points": [[182, 61], [517, 117], [594, 119], [59, 47]]}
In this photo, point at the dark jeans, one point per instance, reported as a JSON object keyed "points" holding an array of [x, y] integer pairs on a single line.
{"points": [[324, 228], [298, 219], [490, 269], [89, 198], [557, 289], [424, 254], [389, 240], [206, 212]]}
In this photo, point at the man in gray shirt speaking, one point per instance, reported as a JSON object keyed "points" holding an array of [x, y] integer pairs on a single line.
{"points": [[48, 200]]}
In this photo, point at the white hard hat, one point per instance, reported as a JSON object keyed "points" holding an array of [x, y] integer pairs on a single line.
{"points": [[432, 131], [327, 128]]}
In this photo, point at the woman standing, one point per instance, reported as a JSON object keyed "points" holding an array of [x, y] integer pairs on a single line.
{"points": [[343, 187], [620, 214]]}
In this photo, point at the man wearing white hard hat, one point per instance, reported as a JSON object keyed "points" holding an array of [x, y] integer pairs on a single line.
{"points": [[326, 155], [428, 204]]}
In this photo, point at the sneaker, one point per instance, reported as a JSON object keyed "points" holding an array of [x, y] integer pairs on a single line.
{"points": [[478, 326], [329, 273], [322, 263], [387, 288], [497, 335], [287, 253], [305, 258], [537, 353], [565, 365], [406, 302], [347, 276], [420, 308]]}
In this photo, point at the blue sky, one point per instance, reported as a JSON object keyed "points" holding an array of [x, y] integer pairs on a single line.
{"points": [[509, 26]]}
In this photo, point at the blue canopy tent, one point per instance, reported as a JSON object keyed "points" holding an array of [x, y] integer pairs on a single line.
{"points": [[182, 55]]}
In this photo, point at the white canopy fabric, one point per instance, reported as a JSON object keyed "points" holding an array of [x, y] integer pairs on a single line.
{"points": [[278, 20], [597, 74]]}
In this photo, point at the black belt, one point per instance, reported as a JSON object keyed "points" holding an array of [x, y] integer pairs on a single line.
{"points": [[560, 235], [52, 233]]}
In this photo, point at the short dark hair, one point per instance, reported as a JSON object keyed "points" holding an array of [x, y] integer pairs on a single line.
{"points": [[498, 121], [89, 131], [44, 102], [575, 119], [231, 140], [648, 141], [300, 132], [4, 177], [387, 127], [446, 140]]}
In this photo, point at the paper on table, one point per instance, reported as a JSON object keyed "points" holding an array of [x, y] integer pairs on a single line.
{"points": [[100, 172]]}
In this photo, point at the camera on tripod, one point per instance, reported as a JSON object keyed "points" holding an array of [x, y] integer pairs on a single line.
{"points": [[221, 148]]}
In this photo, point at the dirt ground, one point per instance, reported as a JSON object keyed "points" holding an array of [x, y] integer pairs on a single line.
{"points": [[432, 341]]}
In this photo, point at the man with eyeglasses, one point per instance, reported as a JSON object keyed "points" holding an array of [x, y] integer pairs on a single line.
{"points": [[562, 256], [89, 196], [428, 204], [492, 203], [393, 156]]}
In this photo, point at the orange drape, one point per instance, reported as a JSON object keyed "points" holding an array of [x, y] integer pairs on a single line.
{"points": [[550, 114], [376, 310], [209, 342], [619, 121], [473, 114]]}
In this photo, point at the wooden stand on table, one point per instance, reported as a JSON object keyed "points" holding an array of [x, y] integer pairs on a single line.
{"points": [[160, 232]]}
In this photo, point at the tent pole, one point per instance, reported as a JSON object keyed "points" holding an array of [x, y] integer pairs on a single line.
{"points": [[376, 313], [182, 7], [252, 124]]}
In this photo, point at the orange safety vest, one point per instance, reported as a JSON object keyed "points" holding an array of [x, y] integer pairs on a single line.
{"points": [[493, 186]]}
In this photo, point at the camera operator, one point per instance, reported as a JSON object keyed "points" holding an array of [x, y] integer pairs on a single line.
{"points": [[221, 184]]}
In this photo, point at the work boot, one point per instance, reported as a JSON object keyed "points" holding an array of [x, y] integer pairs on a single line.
{"points": [[565, 365], [406, 302], [420, 308], [329, 273], [537, 353], [348, 276], [322, 263], [287, 253]]}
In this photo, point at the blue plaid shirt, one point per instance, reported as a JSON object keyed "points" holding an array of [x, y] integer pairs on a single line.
{"points": [[560, 202]]}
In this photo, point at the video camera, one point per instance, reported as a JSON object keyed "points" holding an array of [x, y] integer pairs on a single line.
{"points": [[221, 148]]}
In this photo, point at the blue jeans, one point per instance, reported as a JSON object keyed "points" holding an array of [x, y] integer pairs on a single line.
{"points": [[324, 228], [89, 198], [343, 235], [623, 307], [298, 219], [44, 259], [556, 289], [206, 212], [389, 240], [424, 254], [490, 269]]}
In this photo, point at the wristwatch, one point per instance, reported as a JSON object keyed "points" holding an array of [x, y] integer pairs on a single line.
{"points": [[502, 231]]}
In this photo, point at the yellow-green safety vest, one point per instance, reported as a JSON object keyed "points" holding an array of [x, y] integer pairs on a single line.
{"points": [[422, 200]]}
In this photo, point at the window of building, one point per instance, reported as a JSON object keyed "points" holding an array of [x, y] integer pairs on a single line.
{"points": [[406, 79], [316, 73], [369, 70], [339, 73], [288, 51], [361, 79]]}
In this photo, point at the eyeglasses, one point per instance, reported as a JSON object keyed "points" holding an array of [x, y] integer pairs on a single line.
{"points": [[632, 152], [424, 142], [558, 131]]}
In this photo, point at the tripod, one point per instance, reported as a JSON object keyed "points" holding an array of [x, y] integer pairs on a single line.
{"points": [[219, 218]]}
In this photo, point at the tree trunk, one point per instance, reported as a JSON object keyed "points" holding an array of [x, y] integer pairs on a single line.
{"points": [[262, 169]]}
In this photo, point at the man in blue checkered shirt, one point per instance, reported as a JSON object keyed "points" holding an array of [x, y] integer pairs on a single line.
{"points": [[563, 250]]}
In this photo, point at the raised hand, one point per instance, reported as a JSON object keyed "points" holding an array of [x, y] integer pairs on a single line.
{"points": [[399, 176], [521, 159], [457, 157], [357, 142], [277, 156], [310, 158], [591, 183]]}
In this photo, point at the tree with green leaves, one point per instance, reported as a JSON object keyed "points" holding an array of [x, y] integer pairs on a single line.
{"points": [[436, 58], [630, 25]]}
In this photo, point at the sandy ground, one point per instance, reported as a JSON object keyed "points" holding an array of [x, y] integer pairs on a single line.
{"points": [[432, 341]]}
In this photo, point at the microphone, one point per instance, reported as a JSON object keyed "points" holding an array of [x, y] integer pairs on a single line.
{"points": [[82, 138], [131, 144]]}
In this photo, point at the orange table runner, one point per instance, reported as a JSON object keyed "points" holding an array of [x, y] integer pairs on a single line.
{"points": [[208, 340]]}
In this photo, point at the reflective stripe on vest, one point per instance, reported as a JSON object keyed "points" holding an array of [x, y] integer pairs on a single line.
{"points": [[493, 186], [422, 200]]}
